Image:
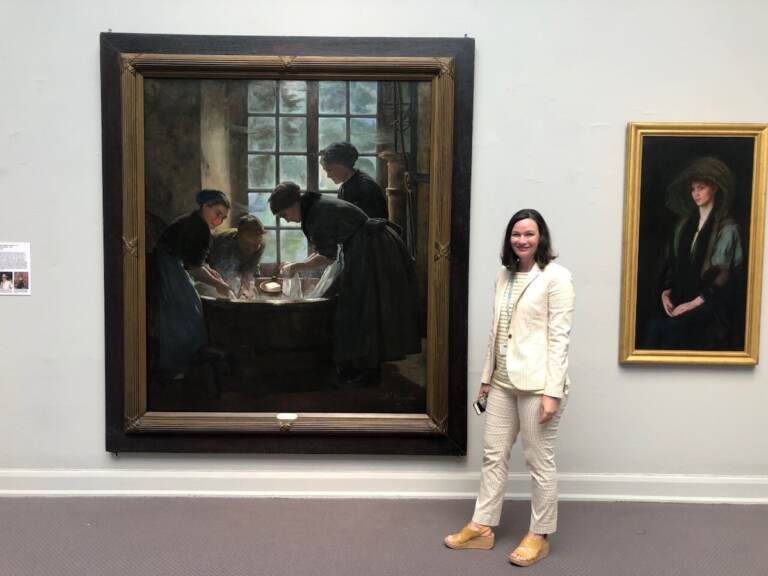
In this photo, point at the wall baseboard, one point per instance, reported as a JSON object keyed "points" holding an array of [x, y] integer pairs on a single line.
{"points": [[234, 484]]}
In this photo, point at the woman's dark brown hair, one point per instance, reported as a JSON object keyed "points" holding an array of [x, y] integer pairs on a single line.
{"points": [[339, 153], [250, 225], [544, 254], [209, 197], [284, 195]]}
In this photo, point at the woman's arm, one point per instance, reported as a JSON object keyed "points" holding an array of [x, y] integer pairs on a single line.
{"points": [[667, 272], [207, 275], [561, 298], [727, 255], [687, 306], [312, 262], [488, 363], [666, 302]]}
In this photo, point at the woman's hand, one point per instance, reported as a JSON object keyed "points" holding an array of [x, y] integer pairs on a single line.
{"points": [[290, 268], [483, 391], [666, 302], [214, 273], [687, 306], [211, 277], [312, 262], [548, 408], [245, 294], [225, 292], [247, 286]]}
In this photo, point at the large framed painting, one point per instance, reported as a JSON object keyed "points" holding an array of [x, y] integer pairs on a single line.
{"points": [[286, 228], [694, 222]]}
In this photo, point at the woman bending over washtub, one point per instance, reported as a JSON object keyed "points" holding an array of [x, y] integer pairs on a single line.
{"points": [[376, 318], [176, 325]]}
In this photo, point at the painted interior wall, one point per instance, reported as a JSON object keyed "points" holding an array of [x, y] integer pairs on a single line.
{"points": [[556, 82]]}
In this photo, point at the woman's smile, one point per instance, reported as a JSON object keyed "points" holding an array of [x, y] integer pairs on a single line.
{"points": [[524, 240]]}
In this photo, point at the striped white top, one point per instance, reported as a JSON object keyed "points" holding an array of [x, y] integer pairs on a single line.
{"points": [[512, 292]]}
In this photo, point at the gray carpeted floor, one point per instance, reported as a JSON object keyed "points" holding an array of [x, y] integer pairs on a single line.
{"points": [[271, 537]]}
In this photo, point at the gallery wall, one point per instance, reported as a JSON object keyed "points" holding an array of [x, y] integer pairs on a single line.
{"points": [[555, 84]]}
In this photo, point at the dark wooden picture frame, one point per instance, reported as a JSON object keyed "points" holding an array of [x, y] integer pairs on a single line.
{"points": [[448, 64]]}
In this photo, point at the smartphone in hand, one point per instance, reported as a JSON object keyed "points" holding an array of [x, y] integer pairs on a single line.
{"points": [[480, 404]]}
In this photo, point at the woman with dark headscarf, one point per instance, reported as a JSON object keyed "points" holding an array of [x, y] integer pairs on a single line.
{"points": [[704, 263], [376, 318], [338, 161], [177, 328]]}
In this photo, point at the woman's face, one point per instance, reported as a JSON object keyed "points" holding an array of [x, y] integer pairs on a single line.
{"points": [[214, 214], [524, 238], [291, 214], [338, 173], [250, 243], [703, 193]]}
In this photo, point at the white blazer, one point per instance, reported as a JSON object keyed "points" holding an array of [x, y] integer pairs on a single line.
{"points": [[539, 331]]}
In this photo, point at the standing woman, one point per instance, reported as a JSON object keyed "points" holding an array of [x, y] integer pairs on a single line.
{"points": [[526, 384], [376, 318], [177, 327], [338, 161]]}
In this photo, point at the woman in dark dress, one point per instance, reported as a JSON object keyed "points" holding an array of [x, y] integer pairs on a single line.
{"points": [[376, 317], [702, 295], [338, 161], [176, 325]]}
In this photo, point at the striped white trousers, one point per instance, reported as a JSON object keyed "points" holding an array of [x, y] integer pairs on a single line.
{"points": [[509, 412]]}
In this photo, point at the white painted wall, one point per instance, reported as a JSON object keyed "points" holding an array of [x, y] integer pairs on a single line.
{"points": [[556, 83]]}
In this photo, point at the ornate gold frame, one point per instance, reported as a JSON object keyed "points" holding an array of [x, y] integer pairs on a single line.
{"points": [[636, 132], [135, 420]]}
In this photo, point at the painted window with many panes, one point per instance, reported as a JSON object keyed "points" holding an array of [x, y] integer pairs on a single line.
{"points": [[289, 122]]}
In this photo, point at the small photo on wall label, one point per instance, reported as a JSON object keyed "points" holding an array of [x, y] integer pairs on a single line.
{"points": [[15, 269]]}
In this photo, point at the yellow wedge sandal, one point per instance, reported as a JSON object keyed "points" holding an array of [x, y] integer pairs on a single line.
{"points": [[469, 539], [529, 551]]}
